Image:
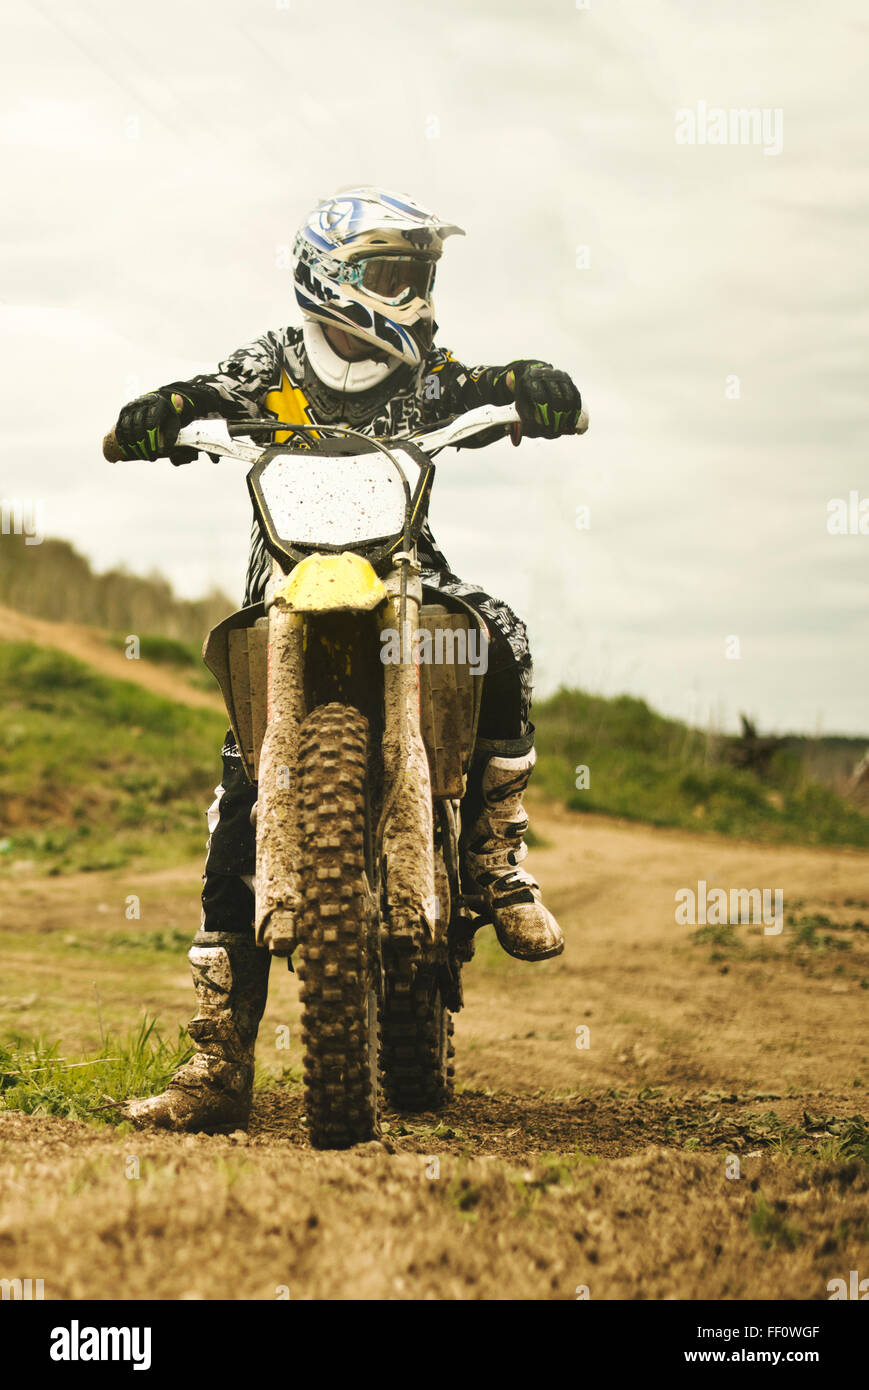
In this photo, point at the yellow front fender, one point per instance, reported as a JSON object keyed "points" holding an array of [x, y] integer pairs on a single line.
{"points": [[332, 583]]}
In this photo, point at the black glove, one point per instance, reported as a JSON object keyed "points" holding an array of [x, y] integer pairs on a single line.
{"points": [[546, 399], [148, 426]]}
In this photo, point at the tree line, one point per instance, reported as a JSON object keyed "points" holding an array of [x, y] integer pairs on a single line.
{"points": [[52, 580]]}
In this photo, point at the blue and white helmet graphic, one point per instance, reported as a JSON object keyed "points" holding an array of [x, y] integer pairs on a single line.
{"points": [[364, 261]]}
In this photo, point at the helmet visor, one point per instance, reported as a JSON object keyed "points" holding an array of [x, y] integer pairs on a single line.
{"points": [[397, 279]]}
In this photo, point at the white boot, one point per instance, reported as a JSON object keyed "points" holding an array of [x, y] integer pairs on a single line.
{"points": [[213, 1090], [494, 849]]}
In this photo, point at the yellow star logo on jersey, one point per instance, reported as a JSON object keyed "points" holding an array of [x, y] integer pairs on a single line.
{"points": [[288, 403]]}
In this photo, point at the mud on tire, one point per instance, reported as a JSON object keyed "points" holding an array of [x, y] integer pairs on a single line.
{"points": [[417, 1044], [337, 960]]}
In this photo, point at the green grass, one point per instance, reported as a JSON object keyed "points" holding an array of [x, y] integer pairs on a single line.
{"points": [[98, 774], [723, 940], [805, 937], [845, 1138], [167, 651], [95, 773], [464, 1194], [646, 767], [35, 1078], [815, 933], [769, 1225], [183, 657]]}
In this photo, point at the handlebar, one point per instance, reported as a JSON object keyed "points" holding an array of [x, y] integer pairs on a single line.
{"points": [[218, 436], [473, 421]]}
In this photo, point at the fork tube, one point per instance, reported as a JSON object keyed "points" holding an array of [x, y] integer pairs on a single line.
{"points": [[278, 837], [407, 829]]}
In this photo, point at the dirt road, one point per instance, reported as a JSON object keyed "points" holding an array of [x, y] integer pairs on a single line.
{"points": [[661, 1112]]}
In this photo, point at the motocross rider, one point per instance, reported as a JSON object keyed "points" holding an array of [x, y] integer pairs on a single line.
{"points": [[364, 357]]}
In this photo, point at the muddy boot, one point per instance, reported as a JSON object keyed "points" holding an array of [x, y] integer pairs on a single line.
{"points": [[494, 849], [213, 1090]]}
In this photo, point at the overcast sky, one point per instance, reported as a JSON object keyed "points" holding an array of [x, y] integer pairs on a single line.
{"points": [[158, 156]]}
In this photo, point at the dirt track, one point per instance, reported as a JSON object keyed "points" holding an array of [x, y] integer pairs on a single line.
{"points": [[557, 1167]]}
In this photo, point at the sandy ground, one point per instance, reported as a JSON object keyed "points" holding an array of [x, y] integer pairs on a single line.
{"points": [[687, 1147]]}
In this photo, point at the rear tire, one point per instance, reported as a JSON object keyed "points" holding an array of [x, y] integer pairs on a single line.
{"points": [[338, 952], [417, 1044]]}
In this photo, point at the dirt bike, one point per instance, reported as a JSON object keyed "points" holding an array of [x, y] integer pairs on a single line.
{"points": [[358, 736]]}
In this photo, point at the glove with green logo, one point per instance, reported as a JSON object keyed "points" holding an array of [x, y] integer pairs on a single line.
{"points": [[547, 401], [148, 426]]}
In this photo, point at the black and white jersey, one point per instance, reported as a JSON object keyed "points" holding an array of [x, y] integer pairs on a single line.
{"points": [[272, 378]]}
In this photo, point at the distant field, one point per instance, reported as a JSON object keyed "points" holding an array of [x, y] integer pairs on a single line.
{"points": [[96, 772], [645, 767]]}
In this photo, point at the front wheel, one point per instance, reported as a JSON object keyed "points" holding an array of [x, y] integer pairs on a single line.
{"points": [[338, 951]]}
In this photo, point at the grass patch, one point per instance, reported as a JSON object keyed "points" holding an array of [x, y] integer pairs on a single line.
{"points": [[724, 942], [465, 1195], [708, 1121], [560, 1172], [816, 932], [98, 773], [767, 1222], [563, 1170], [165, 651], [805, 938], [842, 1139], [645, 767], [291, 1075], [35, 1078], [183, 657]]}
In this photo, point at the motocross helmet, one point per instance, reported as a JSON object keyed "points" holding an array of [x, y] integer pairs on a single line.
{"points": [[364, 261]]}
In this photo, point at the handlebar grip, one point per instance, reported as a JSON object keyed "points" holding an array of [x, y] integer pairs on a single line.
{"points": [[112, 451]]}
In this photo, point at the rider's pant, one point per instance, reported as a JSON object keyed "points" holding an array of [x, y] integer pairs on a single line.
{"points": [[506, 705], [227, 894]]}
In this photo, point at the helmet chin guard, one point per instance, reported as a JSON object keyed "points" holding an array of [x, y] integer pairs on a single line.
{"points": [[364, 261], [337, 373]]}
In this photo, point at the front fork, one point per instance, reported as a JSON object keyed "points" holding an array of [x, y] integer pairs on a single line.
{"points": [[405, 837], [405, 833], [278, 830]]}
